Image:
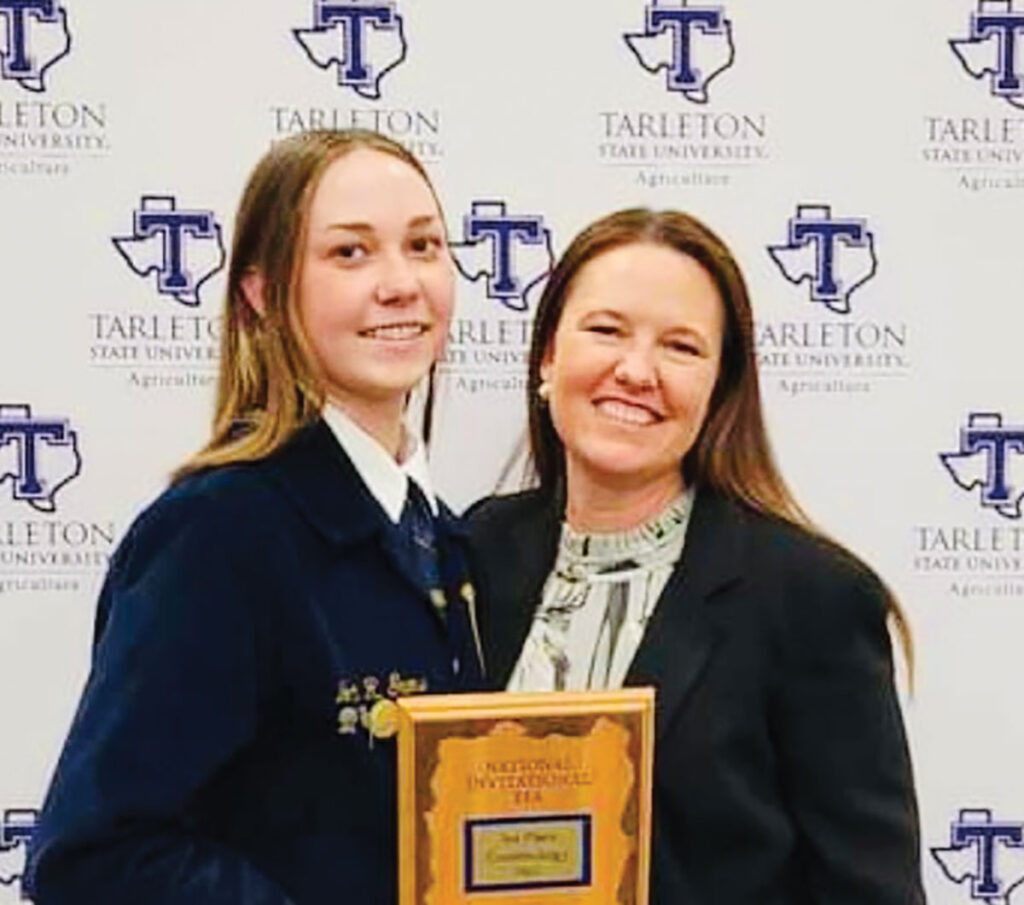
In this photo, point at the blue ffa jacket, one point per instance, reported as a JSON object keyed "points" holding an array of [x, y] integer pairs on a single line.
{"points": [[221, 754]]}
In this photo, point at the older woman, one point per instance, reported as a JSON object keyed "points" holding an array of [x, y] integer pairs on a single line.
{"points": [[663, 548]]}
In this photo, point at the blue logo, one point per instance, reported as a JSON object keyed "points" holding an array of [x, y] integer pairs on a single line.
{"points": [[995, 48], [182, 247], [692, 44], [16, 828], [989, 853], [991, 458], [511, 252], [834, 256], [362, 39], [33, 36], [38, 456]]}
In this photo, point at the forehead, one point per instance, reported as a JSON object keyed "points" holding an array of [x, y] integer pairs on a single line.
{"points": [[372, 187], [644, 276]]}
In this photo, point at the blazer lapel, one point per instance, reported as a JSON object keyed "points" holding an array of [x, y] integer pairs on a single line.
{"points": [[681, 637], [517, 570]]}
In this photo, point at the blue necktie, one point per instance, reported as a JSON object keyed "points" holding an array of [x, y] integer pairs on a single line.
{"points": [[417, 526]]}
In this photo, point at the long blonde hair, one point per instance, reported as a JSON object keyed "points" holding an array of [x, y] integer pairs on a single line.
{"points": [[268, 385], [732, 454]]}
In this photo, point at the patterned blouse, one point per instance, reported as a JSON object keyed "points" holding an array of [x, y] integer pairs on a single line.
{"points": [[597, 601]]}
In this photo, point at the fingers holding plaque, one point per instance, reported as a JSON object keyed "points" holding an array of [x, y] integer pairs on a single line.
{"points": [[525, 799]]}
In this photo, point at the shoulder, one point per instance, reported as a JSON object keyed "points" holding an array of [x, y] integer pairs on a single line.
{"points": [[493, 515], [835, 605], [216, 510], [199, 555], [801, 556], [818, 596], [222, 494]]}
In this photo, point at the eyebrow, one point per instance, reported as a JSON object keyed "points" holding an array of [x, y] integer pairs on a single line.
{"points": [[358, 227], [603, 312], [619, 316], [693, 331]]}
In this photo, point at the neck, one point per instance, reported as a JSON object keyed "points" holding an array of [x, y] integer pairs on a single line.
{"points": [[382, 421], [597, 503]]}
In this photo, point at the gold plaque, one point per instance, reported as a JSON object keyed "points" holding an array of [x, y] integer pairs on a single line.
{"points": [[525, 799]]}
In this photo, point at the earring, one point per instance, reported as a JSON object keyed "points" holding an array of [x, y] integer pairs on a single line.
{"points": [[544, 391]]}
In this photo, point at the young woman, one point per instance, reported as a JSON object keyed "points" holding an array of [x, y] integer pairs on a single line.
{"points": [[232, 745], [663, 548]]}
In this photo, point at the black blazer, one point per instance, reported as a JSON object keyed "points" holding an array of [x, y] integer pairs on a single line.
{"points": [[781, 768]]}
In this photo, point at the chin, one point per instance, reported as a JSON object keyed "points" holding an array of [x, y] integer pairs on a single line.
{"points": [[626, 466], [402, 377]]}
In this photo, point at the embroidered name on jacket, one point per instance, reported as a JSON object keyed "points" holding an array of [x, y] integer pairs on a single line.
{"points": [[369, 703]]}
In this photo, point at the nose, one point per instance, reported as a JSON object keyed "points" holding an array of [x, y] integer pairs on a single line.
{"points": [[397, 282], [637, 367]]}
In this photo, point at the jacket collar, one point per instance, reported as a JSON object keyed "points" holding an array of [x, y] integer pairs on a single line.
{"points": [[315, 473], [387, 479], [680, 638]]}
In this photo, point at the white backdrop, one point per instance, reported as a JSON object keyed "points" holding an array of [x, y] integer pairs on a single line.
{"points": [[865, 160]]}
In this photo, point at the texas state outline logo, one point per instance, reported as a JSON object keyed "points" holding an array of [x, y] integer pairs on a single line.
{"points": [[361, 41], [833, 256], [993, 48], [38, 456], [16, 828], [990, 462], [692, 44], [34, 35], [511, 254], [183, 248], [985, 856]]}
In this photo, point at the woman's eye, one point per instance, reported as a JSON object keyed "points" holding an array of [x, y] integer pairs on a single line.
{"points": [[426, 245], [683, 347], [350, 251], [603, 329]]}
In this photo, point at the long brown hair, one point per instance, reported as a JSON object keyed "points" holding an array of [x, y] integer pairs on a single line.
{"points": [[268, 385], [732, 454]]}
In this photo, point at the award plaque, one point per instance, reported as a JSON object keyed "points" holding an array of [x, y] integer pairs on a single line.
{"points": [[525, 799]]}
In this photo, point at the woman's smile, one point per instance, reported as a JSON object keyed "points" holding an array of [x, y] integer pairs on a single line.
{"points": [[399, 332]]}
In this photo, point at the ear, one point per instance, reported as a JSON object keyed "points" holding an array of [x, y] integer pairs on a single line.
{"points": [[545, 364], [251, 286]]}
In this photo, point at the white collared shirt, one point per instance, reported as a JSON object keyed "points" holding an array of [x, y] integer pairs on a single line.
{"points": [[386, 479]]}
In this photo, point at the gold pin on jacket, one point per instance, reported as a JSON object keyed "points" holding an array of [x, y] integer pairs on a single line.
{"points": [[468, 593], [382, 720], [438, 599]]}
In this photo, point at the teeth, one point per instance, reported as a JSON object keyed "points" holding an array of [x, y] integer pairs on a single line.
{"points": [[396, 331], [622, 411]]}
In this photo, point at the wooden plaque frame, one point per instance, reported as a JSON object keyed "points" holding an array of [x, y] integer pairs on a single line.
{"points": [[525, 799]]}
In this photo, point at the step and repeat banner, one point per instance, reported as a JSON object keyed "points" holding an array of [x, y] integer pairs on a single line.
{"points": [[864, 160]]}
